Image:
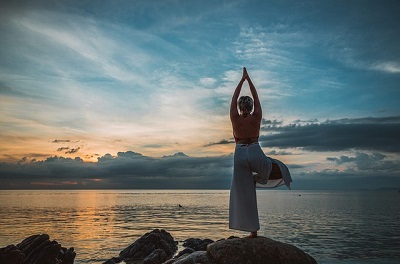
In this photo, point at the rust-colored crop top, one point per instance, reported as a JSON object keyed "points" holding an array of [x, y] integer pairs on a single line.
{"points": [[237, 139]]}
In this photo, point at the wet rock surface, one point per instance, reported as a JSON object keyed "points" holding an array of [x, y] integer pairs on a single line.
{"points": [[260, 250], [154, 247], [197, 244], [37, 249]]}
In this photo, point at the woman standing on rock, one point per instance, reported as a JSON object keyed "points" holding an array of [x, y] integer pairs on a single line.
{"points": [[248, 159]]}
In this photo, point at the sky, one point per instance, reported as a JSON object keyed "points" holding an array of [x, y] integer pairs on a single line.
{"points": [[136, 94]]}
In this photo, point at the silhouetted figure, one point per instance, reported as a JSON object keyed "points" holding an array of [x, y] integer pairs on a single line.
{"points": [[248, 159]]}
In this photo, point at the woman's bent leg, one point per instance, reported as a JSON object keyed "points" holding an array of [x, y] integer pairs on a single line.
{"points": [[260, 164]]}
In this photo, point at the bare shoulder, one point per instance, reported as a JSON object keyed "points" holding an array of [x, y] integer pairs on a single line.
{"points": [[257, 116], [234, 117]]}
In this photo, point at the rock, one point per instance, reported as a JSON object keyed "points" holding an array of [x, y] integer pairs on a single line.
{"points": [[154, 247], [197, 244], [67, 256], [38, 249], [113, 260], [11, 255], [197, 257], [186, 251], [258, 250], [191, 245], [46, 253], [156, 257]]}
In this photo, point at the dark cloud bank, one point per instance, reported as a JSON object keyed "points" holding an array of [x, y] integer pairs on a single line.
{"points": [[373, 141], [126, 170], [377, 134]]}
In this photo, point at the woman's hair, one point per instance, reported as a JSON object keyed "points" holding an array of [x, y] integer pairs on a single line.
{"points": [[245, 104]]}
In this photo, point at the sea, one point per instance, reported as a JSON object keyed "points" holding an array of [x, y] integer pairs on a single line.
{"points": [[335, 227]]}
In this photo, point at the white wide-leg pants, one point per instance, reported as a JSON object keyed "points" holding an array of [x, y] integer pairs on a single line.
{"points": [[249, 159]]}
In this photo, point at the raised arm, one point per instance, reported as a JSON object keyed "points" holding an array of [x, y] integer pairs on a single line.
{"points": [[257, 105], [234, 112]]}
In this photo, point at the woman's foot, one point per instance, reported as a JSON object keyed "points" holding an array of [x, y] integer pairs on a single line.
{"points": [[253, 235]]}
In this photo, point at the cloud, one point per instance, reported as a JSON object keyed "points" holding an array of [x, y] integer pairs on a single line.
{"points": [[375, 162], [126, 170], [62, 148], [279, 153], [72, 150], [388, 67], [310, 121], [103, 78], [76, 35], [207, 81], [271, 123], [345, 180], [375, 134], [221, 142], [156, 146], [129, 154], [53, 184], [341, 159], [61, 141], [176, 155]]}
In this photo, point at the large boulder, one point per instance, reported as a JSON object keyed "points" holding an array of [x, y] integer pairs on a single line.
{"points": [[154, 247], [260, 250]]}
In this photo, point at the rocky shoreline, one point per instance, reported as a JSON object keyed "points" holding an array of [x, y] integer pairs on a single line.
{"points": [[159, 247], [37, 249]]}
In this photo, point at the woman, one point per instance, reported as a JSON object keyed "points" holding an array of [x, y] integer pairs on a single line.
{"points": [[248, 159]]}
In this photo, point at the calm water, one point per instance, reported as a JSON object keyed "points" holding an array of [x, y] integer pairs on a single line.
{"points": [[332, 226]]}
